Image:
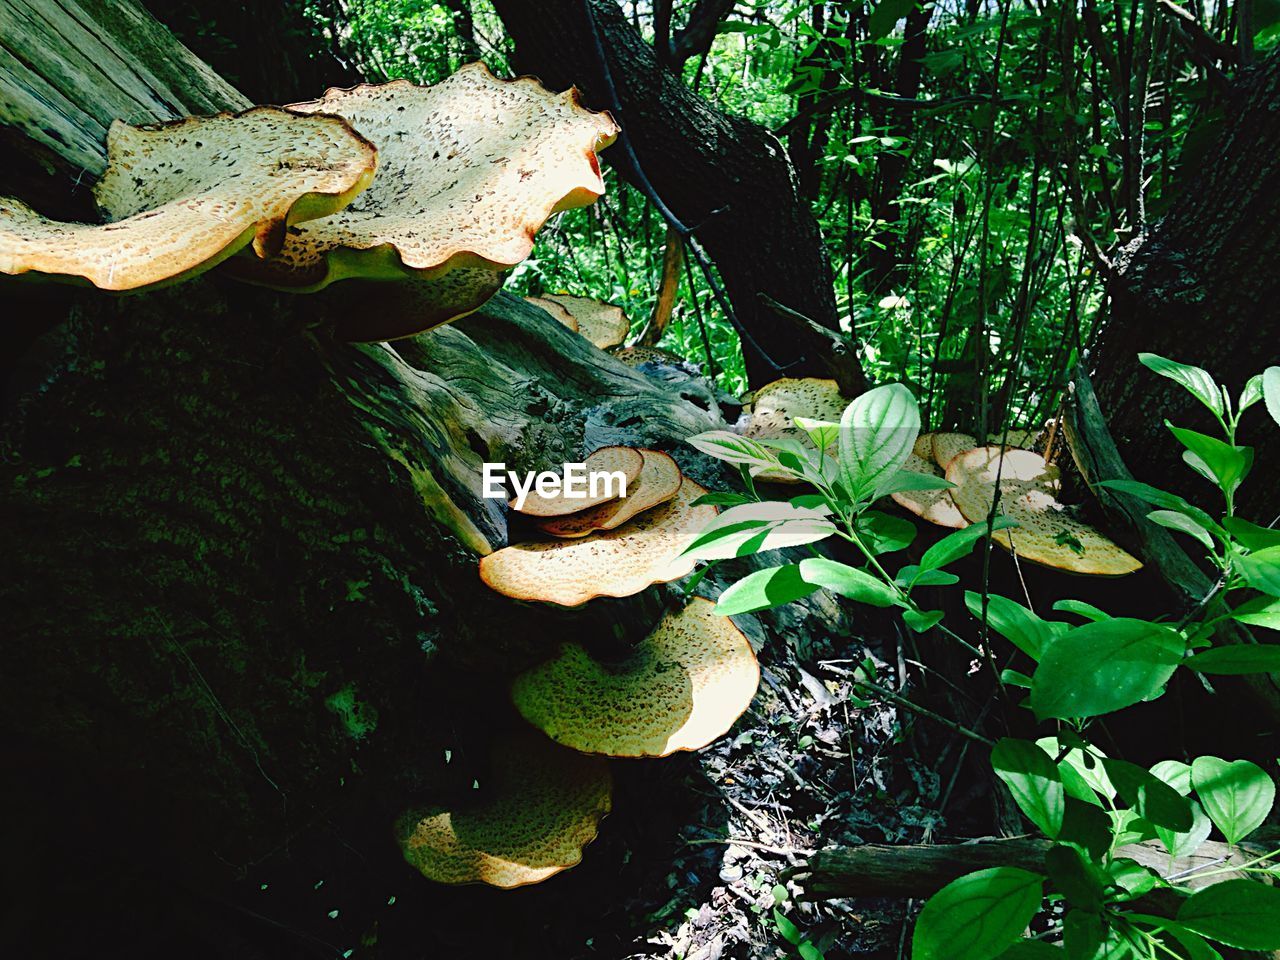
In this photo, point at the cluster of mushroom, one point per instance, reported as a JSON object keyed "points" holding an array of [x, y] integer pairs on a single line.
{"points": [[1046, 533], [680, 688], [441, 188]]}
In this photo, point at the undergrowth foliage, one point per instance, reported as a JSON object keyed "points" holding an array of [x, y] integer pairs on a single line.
{"points": [[1088, 895]]}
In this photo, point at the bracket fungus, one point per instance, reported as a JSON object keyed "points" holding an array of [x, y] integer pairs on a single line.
{"points": [[627, 461], [557, 310], [947, 446], [612, 563], [470, 169], [604, 324], [183, 196], [776, 405], [935, 506], [680, 688], [658, 482], [541, 805], [635, 356], [1046, 533]]}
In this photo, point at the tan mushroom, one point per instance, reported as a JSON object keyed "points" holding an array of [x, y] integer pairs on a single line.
{"points": [[658, 482], [612, 563], [635, 356], [470, 170], [557, 310], [530, 819], [936, 506], [183, 196], [1046, 533], [627, 461], [776, 405], [680, 688], [604, 324], [947, 446]]}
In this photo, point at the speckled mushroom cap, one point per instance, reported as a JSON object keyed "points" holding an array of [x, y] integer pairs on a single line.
{"points": [[531, 819], [776, 405], [612, 563], [604, 324], [183, 196], [936, 506], [1022, 439], [470, 170], [557, 310], [625, 460], [658, 482], [1046, 533], [634, 356], [947, 446], [923, 447], [679, 689]]}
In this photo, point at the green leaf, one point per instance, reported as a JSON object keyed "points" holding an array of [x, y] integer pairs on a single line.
{"points": [[1214, 459], [905, 480], [978, 915], [722, 500], [912, 576], [1154, 800], [765, 589], [1237, 658], [1251, 535], [1193, 945], [1271, 391], [1100, 667], [1239, 913], [1162, 498], [1087, 826], [823, 433], [1172, 520], [882, 532], [1075, 877], [1015, 623], [1259, 612], [1237, 796], [1132, 877], [1262, 570], [922, 621], [1083, 775], [959, 544], [732, 448], [1183, 843], [847, 581], [1084, 937], [755, 527], [886, 15], [1031, 950], [790, 932], [1082, 609], [1033, 779], [1197, 382], [877, 432]]}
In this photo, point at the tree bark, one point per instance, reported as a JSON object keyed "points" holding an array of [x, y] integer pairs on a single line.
{"points": [[724, 177], [1202, 288]]}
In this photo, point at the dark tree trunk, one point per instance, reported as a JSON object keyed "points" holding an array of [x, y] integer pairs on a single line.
{"points": [[1203, 287], [726, 178]]}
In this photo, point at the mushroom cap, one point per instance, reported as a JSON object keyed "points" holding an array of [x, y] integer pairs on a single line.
{"points": [[625, 460], [1019, 438], [541, 805], [776, 405], [185, 195], [946, 446], [936, 506], [470, 170], [923, 447], [658, 482], [1046, 534], [557, 310], [611, 563], [680, 688], [604, 324], [635, 356]]}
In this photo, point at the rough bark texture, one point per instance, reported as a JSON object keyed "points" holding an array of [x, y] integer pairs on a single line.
{"points": [[1202, 288], [725, 177]]}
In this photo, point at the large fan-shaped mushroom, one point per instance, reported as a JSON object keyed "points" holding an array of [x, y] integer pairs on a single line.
{"points": [[470, 170], [658, 482], [627, 461], [613, 563], [680, 688], [183, 196], [776, 405], [604, 324], [530, 819]]}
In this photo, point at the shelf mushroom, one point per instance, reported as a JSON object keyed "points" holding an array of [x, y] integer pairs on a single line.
{"points": [[637, 355], [557, 310], [604, 324], [776, 405], [471, 168], [947, 446], [529, 821], [935, 506], [183, 196], [612, 563], [658, 482], [1046, 534], [680, 688], [627, 461]]}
